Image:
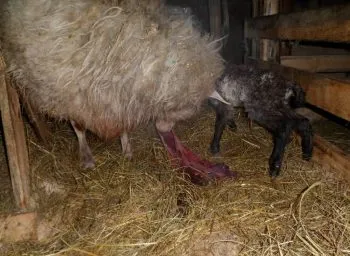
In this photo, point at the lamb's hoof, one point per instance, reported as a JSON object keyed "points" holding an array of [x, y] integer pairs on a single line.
{"points": [[274, 170], [307, 156], [307, 152], [214, 150], [232, 125]]}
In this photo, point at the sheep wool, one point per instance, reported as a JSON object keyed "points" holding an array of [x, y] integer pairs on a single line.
{"points": [[108, 65]]}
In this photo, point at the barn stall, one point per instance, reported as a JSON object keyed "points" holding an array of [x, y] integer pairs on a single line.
{"points": [[146, 207]]}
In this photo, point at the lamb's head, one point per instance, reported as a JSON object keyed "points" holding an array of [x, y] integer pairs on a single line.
{"points": [[295, 95]]}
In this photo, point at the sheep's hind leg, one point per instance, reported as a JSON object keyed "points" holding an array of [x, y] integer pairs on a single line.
{"points": [[85, 154], [222, 119]]}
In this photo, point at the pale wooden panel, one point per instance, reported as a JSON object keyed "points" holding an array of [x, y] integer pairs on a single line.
{"points": [[326, 24], [320, 63]]}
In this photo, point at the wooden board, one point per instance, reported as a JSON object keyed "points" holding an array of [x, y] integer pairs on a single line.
{"points": [[326, 24], [320, 63], [331, 95], [15, 141]]}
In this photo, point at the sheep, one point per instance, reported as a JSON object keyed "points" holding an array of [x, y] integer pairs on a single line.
{"points": [[268, 99], [110, 67]]}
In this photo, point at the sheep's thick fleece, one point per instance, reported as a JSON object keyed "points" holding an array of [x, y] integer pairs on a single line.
{"points": [[108, 67]]}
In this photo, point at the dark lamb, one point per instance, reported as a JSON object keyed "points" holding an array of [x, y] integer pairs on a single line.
{"points": [[269, 100]]}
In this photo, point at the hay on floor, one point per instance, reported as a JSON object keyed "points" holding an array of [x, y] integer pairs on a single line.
{"points": [[144, 207]]}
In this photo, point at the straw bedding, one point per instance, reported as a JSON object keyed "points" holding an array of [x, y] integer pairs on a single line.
{"points": [[144, 207]]}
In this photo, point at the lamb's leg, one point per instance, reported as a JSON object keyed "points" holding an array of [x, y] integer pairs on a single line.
{"points": [[84, 150], [200, 171], [304, 129], [280, 140], [281, 128], [126, 146], [222, 119]]}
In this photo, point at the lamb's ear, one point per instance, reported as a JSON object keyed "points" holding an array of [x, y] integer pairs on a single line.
{"points": [[218, 97]]}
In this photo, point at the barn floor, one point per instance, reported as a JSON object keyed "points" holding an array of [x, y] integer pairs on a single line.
{"points": [[143, 207]]}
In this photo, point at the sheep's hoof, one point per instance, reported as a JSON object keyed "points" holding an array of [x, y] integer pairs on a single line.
{"points": [[88, 162], [274, 170], [128, 155], [88, 165]]}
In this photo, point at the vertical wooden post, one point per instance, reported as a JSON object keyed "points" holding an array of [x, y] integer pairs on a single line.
{"points": [[215, 18], [254, 41], [269, 48], [15, 141], [285, 48]]}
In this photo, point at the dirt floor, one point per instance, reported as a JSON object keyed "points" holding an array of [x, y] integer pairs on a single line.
{"points": [[145, 207]]}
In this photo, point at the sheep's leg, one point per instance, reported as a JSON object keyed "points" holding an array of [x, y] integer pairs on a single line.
{"points": [[126, 146], [200, 171], [222, 119], [84, 150], [304, 129]]}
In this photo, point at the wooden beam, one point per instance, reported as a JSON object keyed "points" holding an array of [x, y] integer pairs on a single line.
{"points": [[320, 63], [15, 141], [326, 24], [328, 94]]}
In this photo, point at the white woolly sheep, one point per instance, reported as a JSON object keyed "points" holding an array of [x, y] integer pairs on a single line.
{"points": [[110, 68], [269, 100]]}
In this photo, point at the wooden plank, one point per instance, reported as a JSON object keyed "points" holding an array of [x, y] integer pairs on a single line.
{"points": [[15, 141], [320, 63], [328, 94], [326, 24]]}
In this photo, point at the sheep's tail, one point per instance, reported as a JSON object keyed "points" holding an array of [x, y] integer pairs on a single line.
{"points": [[298, 99]]}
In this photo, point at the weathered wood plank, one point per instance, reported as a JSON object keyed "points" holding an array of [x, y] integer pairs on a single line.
{"points": [[15, 141], [319, 63], [328, 94], [326, 24]]}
